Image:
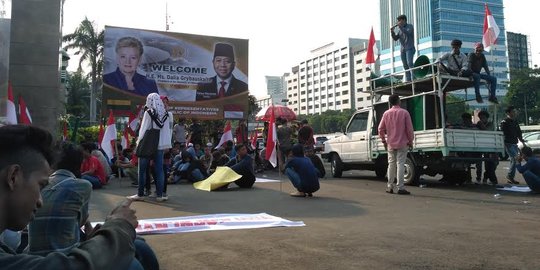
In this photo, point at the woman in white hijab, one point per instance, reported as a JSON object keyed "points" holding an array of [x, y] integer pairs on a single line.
{"points": [[155, 117]]}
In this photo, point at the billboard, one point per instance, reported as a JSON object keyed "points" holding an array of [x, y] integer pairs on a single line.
{"points": [[203, 77]]}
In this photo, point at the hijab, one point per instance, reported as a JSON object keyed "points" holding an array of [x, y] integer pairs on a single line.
{"points": [[155, 104]]}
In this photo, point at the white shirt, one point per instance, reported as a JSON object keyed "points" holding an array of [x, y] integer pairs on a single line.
{"points": [[165, 134], [226, 86]]}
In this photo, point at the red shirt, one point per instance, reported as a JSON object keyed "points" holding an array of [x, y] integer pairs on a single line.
{"points": [[92, 163]]}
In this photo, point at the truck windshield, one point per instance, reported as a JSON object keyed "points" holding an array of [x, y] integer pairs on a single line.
{"points": [[359, 122]]}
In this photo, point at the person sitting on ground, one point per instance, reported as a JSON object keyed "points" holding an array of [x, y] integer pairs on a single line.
{"points": [[57, 224], [105, 163], [91, 168], [243, 165], [25, 159], [531, 169], [301, 172], [188, 168], [206, 158]]}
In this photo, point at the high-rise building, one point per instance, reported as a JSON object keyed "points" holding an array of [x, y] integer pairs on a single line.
{"points": [[519, 54], [327, 78], [436, 24], [277, 88]]}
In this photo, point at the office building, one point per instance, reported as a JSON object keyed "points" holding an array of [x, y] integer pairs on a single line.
{"points": [[436, 24], [519, 53], [327, 78], [276, 87]]}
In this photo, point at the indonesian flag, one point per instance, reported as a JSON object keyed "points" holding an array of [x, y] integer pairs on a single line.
{"points": [[254, 140], [227, 135], [372, 51], [133, 123], [65, 132], [100, 134], [491, 30], [11, 114], [109, 137], [24, 114], [125, 139], [271, 154]]}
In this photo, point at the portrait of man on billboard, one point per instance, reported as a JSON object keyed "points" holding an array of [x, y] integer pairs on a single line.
{"points": [[224, 83], [129, 52]]}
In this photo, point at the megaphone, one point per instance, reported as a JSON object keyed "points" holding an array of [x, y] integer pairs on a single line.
{"points": [[423, 71]]}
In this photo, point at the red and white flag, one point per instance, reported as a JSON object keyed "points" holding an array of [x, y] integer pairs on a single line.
{"points": [[372, 52], [254, 135], [227, 135], [125, 139], [133, 123], [24, 114], [65, 132], [271, 154], [109, 137], [491, 30], [11, 114]]}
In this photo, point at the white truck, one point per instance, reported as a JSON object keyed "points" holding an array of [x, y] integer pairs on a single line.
{"points": [[436, 148]]}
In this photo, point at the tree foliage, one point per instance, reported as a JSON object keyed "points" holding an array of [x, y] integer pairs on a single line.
{"points": [[523, 93], [88, 42], [78, 91], [329, 121]]}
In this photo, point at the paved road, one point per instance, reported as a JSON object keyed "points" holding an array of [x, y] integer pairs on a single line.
{"points": [[351, 223]]}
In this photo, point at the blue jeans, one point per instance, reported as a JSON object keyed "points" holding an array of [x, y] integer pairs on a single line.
{"points": [[145, 255], [159, 177], [532, 180], [407, 60], [294, 177], [492, 80], [92, 179], [513, 151]]}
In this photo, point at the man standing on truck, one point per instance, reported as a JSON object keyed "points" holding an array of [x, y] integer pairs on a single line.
{"points": [[405, 35], [396, 133], [512, 133]]}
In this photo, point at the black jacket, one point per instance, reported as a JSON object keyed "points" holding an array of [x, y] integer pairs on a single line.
{"points": [[511, 130]]}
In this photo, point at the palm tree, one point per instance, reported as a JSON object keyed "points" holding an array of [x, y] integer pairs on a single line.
{"points": [[89, 44]]}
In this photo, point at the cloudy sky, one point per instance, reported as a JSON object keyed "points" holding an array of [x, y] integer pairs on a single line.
{"points": [[281, 33]]}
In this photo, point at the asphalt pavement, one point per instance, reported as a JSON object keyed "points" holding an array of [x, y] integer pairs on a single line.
{"points": [[351, 223]]}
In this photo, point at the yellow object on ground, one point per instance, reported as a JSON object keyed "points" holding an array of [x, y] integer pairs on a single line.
{"points": [[221, 177]]}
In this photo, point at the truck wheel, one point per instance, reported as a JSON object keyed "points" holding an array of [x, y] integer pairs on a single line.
{"points": [[336, 166], [412, 173]]}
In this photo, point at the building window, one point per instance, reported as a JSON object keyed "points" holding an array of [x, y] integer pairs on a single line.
{"points": [[303, 93], [308, 68], [295, 94], [337, 94], [323, 96], [323, 80], [344, 74], [336, 59], [360, 80], [346, 101], [295, 79], [338, 103], [329, 61], [368, 98], [345, 92], [316, 73], [344, 65], [323, 88], [344, 56], [316, 82], [290, 95], [330, 69], [330, 87], [309, 83], [359, 61], [302, 77], [330, 95], [337, 84], [316, 98], [303, 85], [330, 104], [323, 105], [358, 71], [309, 91], [309, 75], [360, 99], [303, 100], [316, 89], [345, 83], [330, 78], [302, 69], [295, 87], [323, 71], [310, 107], [316, 106], [315, 65], [289, 81], [337, 76], [336, 68]]}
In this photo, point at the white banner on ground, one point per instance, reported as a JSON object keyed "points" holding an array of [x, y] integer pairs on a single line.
{"points": [[266, 180], [214, 222], [516, 189]]}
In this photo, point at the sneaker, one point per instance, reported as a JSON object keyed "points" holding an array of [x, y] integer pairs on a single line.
{"points": [[403, 192], [479, 99], [165, 197], [160, 199], [153, 195], [512, 181], [135, 184], [136, 197], [389, 190], [298, 194], [310, 194]]}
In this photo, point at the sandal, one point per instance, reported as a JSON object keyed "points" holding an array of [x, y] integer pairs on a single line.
{"points": [[298, 194]]}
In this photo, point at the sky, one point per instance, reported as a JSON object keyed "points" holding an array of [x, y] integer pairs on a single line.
{"points": [[280, 33]]}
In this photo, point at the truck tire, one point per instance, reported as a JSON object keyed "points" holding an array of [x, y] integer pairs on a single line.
{"points": [[412, 173], [336, 166]]}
